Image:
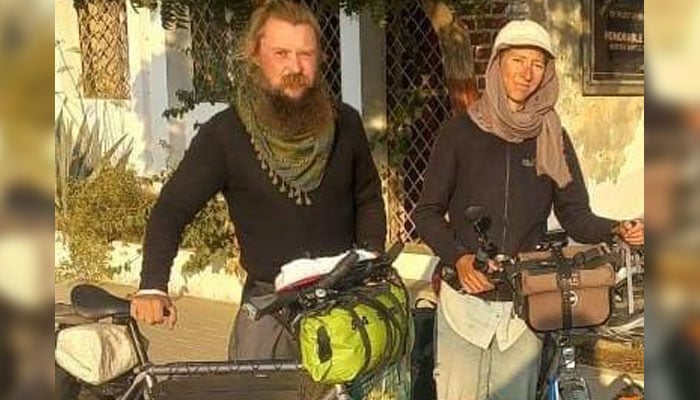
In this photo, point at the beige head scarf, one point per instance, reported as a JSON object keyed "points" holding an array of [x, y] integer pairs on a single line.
{"points": [[538, 118]]}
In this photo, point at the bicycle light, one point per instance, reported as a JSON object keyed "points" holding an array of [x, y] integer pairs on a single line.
{"points": [[481, 222]]}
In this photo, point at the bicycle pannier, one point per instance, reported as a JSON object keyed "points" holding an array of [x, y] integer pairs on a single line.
{"points": [[576, 294], [95, 353]]}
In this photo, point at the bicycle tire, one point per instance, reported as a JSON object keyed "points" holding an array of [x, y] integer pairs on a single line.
{"points": [[574, 389], [66, 387]]}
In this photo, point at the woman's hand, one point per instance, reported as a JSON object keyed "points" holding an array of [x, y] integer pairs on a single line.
{"points": [[473, 281], [632, 232]]}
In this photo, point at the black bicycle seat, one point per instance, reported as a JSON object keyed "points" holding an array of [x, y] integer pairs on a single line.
{"points": [[65, 314], [94, 302]]}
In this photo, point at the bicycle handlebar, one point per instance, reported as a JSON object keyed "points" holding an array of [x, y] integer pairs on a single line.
{"points": [[258, 306], [553, 243], [348, 271], [339, 271]]}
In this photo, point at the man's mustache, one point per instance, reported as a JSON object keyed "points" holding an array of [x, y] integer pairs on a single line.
{"points": [[294, 81]]}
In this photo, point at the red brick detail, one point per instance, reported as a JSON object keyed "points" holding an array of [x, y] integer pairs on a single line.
{"points": [[494, 22], [470, 22], [481, 83], [480, 38], [482, 53], [483, 29], [499, 7], [480, 67]]}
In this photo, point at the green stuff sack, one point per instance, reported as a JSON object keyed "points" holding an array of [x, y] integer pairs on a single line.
{"points": [[367, 329]]}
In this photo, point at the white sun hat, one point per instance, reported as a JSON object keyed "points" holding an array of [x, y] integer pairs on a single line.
{"points": [[524, 33]]}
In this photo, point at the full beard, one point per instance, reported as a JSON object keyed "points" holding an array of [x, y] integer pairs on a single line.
{"points": [[312, 113]]}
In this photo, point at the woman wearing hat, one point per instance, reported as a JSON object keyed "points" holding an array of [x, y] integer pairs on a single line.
{"points": [[510, 155]]}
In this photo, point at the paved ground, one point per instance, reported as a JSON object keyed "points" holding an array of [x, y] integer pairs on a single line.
{"points": [[203, 328]]}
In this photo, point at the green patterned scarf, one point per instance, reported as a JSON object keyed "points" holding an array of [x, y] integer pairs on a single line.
{"points": [[294, 161]]}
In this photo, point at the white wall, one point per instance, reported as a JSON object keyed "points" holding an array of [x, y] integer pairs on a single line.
{"points": [[607, 131], [138, 117]]}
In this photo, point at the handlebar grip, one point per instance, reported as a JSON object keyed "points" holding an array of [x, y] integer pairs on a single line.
{"points": [[393, 252], [339, 271], [258, 306], [481, 260]]}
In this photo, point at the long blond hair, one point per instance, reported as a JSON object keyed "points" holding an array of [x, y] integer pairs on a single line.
{"points": [[285, 10]]}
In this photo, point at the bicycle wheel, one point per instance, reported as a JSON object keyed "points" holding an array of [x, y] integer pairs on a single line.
{"points": [[66, 387], [549, 364]]}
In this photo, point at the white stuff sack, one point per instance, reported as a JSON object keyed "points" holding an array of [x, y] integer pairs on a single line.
{"points": [[303, 269], [95, 353]]}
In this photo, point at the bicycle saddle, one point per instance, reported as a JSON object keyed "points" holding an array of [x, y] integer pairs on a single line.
{"points": [[93, 302], [65, 314]]}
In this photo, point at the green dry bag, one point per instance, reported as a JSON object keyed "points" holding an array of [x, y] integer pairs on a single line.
{"points": [[365, 329]]}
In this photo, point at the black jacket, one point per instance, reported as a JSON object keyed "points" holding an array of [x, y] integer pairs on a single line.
{"points": [[471, 167]]}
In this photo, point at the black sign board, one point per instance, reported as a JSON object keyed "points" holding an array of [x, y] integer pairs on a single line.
{"points": [[613, 47]]}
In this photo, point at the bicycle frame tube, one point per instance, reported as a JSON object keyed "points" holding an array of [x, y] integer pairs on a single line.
{"points": [[553, 390], [146, 373], [144, 381], [140, 385], [222, 368], [136, 388]]}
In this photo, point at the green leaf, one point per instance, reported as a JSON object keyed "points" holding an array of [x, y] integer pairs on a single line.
{"points": [[124, 159]]}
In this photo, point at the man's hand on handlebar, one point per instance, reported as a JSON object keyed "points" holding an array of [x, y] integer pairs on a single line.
{"points": [[474, 281], [632, 232], [154, 309]]}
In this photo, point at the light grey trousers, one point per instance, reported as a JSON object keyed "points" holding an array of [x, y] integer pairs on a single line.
{"points": [[467, 372], [264, 339]]}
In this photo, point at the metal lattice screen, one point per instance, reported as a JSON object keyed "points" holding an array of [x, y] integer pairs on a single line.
{"points": [[329, 21], [417, 105], [104, 48], [213, 44], [214, 40]]}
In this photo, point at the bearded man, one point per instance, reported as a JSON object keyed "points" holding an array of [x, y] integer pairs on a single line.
{"points": [[294, 167]]}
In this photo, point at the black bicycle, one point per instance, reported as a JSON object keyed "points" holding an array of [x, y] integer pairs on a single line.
{"points": [[225, 380], [559, 378]]}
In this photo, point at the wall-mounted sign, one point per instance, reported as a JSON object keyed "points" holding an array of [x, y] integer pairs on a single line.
{"points": [[613, 47]]}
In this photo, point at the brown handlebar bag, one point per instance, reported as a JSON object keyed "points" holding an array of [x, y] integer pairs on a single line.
{"points": [[577, 293]]}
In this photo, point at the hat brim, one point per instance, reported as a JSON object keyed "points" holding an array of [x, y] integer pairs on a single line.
{"points": [[525, 42]]}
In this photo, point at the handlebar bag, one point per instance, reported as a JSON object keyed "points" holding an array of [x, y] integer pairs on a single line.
{"points": [[95, 353], [575, 293], [364, 330]]}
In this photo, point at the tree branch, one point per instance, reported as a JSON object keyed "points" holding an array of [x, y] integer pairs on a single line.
{"points": [[457, 59]]}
